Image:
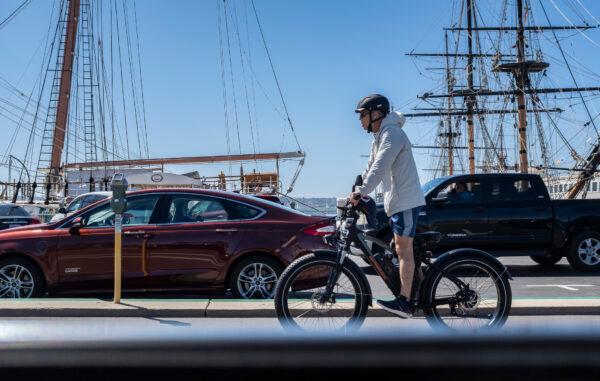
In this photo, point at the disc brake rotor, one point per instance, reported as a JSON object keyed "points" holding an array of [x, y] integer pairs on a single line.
{"points": [[322, 308]]}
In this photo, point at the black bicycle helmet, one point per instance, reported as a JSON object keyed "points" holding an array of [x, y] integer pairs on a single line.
{"points": [[374, 102]]}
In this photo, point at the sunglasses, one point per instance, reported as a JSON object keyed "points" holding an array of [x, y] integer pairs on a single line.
{"points": [[363, 114]]}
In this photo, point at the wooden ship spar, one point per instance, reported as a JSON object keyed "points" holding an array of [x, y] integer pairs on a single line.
{"points": [[494, 76], [82, 113]]}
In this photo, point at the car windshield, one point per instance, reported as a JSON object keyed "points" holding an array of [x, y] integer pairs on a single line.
{"points": [[428, 186]]}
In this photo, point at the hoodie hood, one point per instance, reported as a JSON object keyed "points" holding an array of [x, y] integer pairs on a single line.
{"points": [[393, 118]]}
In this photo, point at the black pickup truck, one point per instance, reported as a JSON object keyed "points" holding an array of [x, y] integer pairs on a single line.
{"points": [[509, 215]]}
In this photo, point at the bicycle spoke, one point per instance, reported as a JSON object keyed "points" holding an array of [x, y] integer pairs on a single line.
{"points": [[478, 306], [308, 313]]}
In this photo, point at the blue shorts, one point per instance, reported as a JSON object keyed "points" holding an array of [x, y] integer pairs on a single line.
{"points": [[405, 223]]}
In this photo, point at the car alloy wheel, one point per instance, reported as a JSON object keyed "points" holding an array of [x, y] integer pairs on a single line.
{"points": [[257, 280], [16, 282], [588, 252]]}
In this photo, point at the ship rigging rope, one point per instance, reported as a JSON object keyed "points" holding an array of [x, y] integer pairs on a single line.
{"points": [[122, 81], [560, 134], [588, 12], [98, 62], [234, 20], [233, 91], [13, 117], [566, 141], [275, 75], [131, 77], [249, 60], [570, 22], [300, 202], [574, 9], [24, 110], [568, 65], [224, 85], [582, 69], [14, 90], [56, 38], [14, 14], [115, 129], [72, 121], [137, 34]]}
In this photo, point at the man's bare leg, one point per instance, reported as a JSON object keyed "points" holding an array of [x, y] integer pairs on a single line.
{"points": [[406, 259]]}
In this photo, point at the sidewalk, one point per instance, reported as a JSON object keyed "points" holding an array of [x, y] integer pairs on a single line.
{"points": [[231, 308]]}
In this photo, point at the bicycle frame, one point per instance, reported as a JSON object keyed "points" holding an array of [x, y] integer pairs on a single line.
{"points": [[380, 264]]}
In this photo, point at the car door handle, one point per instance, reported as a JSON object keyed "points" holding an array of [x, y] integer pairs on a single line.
{"points": [[134, 233], [232, 230]]}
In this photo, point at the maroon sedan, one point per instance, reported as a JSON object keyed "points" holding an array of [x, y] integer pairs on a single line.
{"points": [[173, 239]]}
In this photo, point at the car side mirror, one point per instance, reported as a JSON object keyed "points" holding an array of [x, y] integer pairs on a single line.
{"points": [[62, 210], [76, 224], [441, 198]]}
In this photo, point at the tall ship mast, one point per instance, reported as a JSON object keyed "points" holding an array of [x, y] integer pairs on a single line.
{"points": [[497, 112]]}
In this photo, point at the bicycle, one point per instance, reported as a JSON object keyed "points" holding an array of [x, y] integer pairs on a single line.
{"points": [[326, 291]]}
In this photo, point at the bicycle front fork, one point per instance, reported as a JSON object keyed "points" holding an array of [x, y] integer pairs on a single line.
{"points": [[334, 276]]}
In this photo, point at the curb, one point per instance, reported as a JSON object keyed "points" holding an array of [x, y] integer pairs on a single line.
{"points": [[203, 308]]}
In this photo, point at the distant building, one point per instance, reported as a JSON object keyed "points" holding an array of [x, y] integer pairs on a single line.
{"points": [[559, 186]]}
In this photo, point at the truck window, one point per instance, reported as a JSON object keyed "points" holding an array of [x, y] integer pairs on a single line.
{"points": [[507, 190], [461, 192]]}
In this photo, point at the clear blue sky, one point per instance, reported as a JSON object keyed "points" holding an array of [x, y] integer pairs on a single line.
{"points": [[327, 54]]}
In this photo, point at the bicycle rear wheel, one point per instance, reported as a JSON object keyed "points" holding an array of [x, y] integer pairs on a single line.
{"points": [[298, 296], [484, 304]]}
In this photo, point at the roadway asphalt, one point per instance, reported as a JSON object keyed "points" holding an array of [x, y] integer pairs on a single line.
{"points": [[241, 325], [530, 280]]}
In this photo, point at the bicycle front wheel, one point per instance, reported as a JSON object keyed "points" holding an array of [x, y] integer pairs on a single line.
{"points": [[299, 298]]}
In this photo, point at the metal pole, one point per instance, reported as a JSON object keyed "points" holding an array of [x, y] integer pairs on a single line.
{"points": [[8, 195], [118, 236], [449, 118], [62, 111], [278, 177], [470, 99], [522, 105]]}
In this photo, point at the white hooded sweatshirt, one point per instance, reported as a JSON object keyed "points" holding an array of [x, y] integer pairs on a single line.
{"points": [[391, 163]]}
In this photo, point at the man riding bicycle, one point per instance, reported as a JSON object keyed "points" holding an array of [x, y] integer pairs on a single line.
{"points": [[392, 165]]}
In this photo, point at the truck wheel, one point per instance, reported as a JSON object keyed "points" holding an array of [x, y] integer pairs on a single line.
{"points": [[546, 260], [584, 253]]}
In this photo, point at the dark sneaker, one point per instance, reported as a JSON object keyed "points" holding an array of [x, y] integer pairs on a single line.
{"points": [[399, 306]]}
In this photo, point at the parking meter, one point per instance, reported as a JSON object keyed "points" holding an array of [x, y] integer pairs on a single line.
{"points": [[118, 203], [119, 188]]}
